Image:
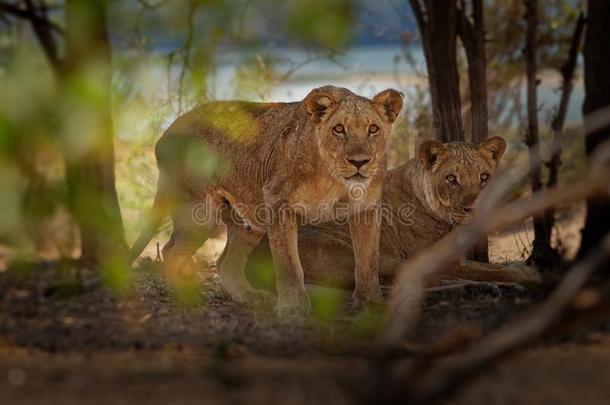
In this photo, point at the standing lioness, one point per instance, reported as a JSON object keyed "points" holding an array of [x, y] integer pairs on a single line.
{"points": [[285, 164], [422, 201]]}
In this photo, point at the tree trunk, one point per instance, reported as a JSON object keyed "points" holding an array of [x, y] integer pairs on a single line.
{"points": [[541, 250], [473, 39], [85, 77], [90, 176], [438, 28], [597, 97], [567, 74]]}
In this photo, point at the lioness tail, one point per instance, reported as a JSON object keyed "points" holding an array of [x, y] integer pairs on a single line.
{"points": [[153, 222]]}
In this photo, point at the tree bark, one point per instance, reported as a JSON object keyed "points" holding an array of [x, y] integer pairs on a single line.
{"points": [[567, 74], [542, 253], [597, 97], [437, 23], [90, 177], [473, 39]]}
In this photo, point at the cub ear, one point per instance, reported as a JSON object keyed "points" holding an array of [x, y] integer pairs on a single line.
{"points": [[388, 104], [318, 104], [430, 153], [493, 148]]}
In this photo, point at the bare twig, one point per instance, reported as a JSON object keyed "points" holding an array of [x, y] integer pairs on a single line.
{"points": [[43, 29], [404, 307], [542, 252], [31, 14], [408, 293], [472, 35], [145, 6], [186, 52], [448, 373], [567, 74]]}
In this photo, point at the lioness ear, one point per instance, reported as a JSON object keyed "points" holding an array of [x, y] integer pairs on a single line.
{"points": [[318, 104], [493, 148], [430, 152], [388, 104]]}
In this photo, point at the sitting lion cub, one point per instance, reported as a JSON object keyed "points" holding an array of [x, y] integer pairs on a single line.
{"points": [[285, 164], [422, 200]]}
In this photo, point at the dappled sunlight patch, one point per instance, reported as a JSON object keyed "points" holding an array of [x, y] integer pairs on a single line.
{"points": [[205, 163], [232, 121], [12, 187], [327, 302], [117, 276], [325, 23], [367, 323]]}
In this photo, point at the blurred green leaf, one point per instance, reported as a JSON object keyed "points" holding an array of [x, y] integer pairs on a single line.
{"points": [[326, 23], [326, 302]]}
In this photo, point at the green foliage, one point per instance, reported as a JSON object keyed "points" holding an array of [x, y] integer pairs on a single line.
{"points": [[327, 302], [326, 23], [367, 323]]}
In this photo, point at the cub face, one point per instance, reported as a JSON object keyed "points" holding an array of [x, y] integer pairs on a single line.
{"points": [[454, 174], [352, 132]]}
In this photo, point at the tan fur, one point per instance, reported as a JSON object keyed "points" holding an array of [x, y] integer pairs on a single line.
{"points": [[420, 206], [285, 157]]}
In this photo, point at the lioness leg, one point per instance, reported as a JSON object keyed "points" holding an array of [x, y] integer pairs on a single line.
{"points": [[365, 231], [187, 236], [232, 265], [291, 294], [327, 258]]}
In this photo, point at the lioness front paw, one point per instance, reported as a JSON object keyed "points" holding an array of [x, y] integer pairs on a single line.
{"points": [[249, 296], [298, 305], [258, 298], [362, 298]]}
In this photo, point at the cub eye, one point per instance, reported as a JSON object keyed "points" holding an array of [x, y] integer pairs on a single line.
{"points": [[339, 129], [373, 129], [451, 179], [484, 177]]}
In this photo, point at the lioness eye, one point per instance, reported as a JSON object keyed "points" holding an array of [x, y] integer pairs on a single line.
{"points": [[451, 179], [373, 129], [339, 129], [484, 177]]}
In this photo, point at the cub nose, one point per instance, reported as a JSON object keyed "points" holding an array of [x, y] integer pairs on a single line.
{"points": [[358, 163]]}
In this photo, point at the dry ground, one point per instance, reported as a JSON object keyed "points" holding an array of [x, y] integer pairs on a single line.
{"points": [[62, 345]]}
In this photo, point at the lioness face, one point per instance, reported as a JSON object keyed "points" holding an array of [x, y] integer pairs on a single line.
{"points": [[352, 132], [455, 174]]}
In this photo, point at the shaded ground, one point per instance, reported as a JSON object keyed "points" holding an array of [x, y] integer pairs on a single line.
{"points": [[59, 345], [46, 309]]}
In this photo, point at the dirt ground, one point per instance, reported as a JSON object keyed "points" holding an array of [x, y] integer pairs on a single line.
{"points": [[62, 344]]}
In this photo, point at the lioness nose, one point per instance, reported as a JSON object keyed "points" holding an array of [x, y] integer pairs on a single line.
{"points": [[358, 162]]}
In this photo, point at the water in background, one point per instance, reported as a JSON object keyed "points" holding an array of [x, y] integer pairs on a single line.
{"points": [[365, 70]]}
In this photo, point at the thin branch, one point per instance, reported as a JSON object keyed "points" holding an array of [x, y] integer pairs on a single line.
{"points": [[43, 29], [447, 374], [542, 252], [144, 7], [405, 302], [420, 15], [30, 14], [186, 52], [567, 73]]}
